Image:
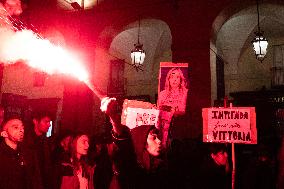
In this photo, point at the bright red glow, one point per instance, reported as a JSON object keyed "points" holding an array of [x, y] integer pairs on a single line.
{"points": [[39, 53], [27, 46]]}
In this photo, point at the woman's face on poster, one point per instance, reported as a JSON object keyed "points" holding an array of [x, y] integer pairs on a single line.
{"points": [[174, 79]]}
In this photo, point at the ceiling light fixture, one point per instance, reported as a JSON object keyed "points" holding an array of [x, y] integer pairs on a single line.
{"points": [[137, 54], [260, 43]]}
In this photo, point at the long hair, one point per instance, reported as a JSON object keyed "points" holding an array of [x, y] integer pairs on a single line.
{"points": [[183, 82], [83, 161]]}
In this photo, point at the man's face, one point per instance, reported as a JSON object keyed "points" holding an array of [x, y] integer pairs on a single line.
{"points": [[154, 144], [14, 130], [13, 7], [220, 158], [43, 124], [82, 145]]}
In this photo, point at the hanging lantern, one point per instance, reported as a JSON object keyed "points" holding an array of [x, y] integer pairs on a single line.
{"points": [[137, 54], [260, 44]]}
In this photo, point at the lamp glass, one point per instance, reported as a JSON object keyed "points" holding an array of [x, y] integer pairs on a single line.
{"points": [[260, 44], [137, 55]]}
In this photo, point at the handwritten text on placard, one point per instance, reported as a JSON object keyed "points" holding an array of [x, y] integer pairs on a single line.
{"points": [[139, 116], [232, 125]]}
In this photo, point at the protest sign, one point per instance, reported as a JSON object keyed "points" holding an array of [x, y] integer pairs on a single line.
{"points": [[139, 116], [136, 113], [229, 125]]}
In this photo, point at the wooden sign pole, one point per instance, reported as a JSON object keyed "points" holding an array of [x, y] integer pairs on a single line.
{"points": [[233, 150], [234, 166]]}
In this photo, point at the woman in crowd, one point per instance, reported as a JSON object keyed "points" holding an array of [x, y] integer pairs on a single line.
{"points": [[76, 172], [137, 154]]}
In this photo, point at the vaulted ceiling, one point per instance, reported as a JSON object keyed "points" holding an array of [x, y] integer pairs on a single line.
{"points": [[237, 33], [232, 38]]}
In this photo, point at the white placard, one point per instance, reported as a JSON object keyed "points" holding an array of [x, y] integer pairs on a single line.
{"points": [[136, 117]]}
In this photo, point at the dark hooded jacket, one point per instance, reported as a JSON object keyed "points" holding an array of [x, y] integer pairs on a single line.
{"points": [[134, 166], [213, 175]]}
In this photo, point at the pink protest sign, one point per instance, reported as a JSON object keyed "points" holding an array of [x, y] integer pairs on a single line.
{"points": [[229, 125]]}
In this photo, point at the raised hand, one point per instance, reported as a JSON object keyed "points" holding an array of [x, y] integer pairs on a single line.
{"points": [[109, 106]]}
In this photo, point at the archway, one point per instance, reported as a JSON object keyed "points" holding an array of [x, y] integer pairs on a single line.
{"points": [[156, 38], [231, 41]]}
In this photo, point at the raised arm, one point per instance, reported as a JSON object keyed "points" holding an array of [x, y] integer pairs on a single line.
{"points": [[110, 107]]}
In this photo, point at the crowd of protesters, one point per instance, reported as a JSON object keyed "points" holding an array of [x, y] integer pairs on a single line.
{"points": [[134, 159]]}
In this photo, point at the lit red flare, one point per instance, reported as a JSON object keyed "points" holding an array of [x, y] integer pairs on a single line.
{"points": [[21, 44], [39, 54]]}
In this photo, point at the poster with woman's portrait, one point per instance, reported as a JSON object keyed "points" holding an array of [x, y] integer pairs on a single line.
{"points": [[173, 87], [172, 94]]}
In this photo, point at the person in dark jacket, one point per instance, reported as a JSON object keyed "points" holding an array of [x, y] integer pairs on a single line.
{"points": [[62, 146], [215, 169], [61, 153], [39, 149], [137, 154], [13, 168], [261, 170]]}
